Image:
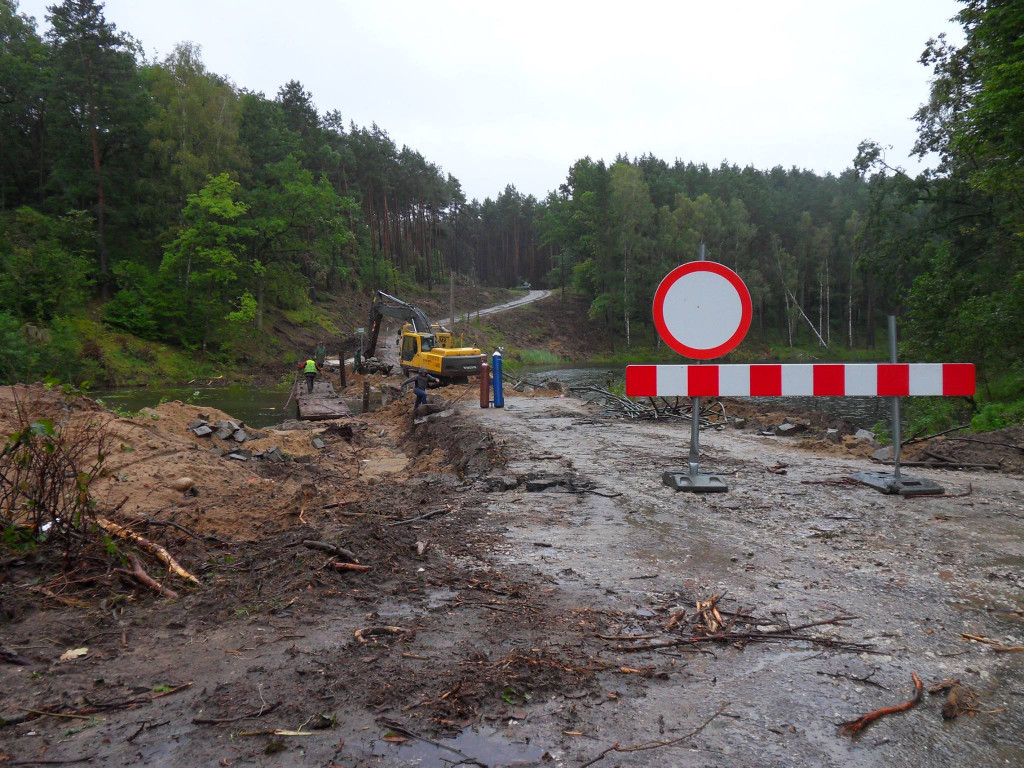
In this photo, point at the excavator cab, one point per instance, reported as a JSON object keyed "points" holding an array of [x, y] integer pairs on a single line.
{"points": [[415, 343]]}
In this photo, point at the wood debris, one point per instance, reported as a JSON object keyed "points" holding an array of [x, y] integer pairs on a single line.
{"points": [[143, 543], [853, 727]]}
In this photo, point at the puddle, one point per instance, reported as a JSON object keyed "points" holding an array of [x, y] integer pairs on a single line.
{"points": [[479, 746]]}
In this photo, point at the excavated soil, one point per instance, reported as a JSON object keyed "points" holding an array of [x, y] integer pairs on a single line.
{"points": [[519, 561]]}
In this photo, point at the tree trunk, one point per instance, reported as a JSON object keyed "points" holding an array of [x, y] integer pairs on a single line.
{"points": [[625, 296], [101, 203]]}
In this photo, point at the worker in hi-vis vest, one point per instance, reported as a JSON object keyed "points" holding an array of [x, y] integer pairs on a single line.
{"points": [[310, 369]]}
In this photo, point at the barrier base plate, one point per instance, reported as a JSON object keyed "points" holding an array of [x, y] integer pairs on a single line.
{"points": [[702, 482], [885, 482]]}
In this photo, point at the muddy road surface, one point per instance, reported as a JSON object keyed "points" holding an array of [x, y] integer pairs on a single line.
{"points": [[536, 597]]}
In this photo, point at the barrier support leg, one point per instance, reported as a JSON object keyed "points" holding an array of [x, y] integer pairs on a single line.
{"points": [[895, 482], [693, 479]]}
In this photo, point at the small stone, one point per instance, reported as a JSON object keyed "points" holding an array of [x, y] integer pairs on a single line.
{"points": [[240, 436], [864, 434], [318, 443], [182, 484], [197, 424], [202, 431], [832, 435]]}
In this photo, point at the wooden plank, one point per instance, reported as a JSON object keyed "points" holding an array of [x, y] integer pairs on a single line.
{"points": [[322, 403]]}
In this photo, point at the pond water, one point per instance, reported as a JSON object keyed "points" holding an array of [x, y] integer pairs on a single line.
{"points": [[256, 406], [264, 406], [860, 411]]}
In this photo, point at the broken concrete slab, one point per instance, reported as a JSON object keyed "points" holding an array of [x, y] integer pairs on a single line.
{"points": [[440, 416], [786, 429], [197, 424], [501, 482], [202, 431], [537, 483], [864, 434], [884, 453]]}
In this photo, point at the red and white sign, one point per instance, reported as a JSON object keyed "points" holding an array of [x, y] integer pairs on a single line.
{"points": [[818, 380], [702, 309]]}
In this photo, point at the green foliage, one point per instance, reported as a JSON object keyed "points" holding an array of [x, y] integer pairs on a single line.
{"points": [[43, 273], [998, 415], [203, 263]]}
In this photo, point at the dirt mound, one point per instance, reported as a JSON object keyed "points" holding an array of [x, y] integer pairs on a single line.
{"points": [[42, 402], [468, 450], [760, 417], [1004, 447]]}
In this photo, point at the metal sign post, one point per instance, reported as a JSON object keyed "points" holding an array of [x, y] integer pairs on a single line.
{"points": [[895, 482], [701, 310]]}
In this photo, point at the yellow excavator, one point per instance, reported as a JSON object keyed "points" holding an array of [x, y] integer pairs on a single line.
{"points": [[422, 344]]}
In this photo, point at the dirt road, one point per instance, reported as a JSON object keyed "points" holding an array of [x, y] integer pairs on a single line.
{"points": [[798, 547], [523, 555], [529, 298]]}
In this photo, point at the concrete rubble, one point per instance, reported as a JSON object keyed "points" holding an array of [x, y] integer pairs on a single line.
{"points": [[227, 429]]}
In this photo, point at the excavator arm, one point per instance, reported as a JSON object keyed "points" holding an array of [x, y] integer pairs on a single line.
{"points": [[384, 305]]}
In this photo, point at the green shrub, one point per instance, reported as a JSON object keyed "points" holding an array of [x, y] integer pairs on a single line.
{"points": [[998, 416]]}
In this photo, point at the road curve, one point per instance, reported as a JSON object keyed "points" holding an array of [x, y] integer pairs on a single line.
{"points": [[529, 298]]}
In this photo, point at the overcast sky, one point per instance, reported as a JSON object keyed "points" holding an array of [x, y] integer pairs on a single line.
{"points": [[509, 92]]}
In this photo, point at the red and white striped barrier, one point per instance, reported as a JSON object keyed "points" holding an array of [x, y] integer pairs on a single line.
{"points": [[817, 380]]}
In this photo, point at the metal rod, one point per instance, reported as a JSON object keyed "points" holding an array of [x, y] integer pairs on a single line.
{"points": [[695, 439], [896, 438], [695, 425]]}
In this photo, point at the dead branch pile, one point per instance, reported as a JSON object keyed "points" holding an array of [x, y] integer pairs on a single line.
{"points": [[46, 468], [515, 677], [707, 626], [712, 412]]}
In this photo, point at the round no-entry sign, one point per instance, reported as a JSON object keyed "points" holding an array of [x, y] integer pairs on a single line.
{"points": [[702, 309]]}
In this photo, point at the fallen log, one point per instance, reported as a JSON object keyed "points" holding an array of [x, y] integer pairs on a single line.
{"points": [[332, 549], [853, 727], [138, 573], [247, 716], [348, 566], [154, 549], [984, 442]]}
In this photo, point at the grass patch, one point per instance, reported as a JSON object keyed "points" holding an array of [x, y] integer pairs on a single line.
{"points": [[536, 357], [116, 358], [311, 317]]}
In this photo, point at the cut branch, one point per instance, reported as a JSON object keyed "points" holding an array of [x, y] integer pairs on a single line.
{"points": [[143, 543]]}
